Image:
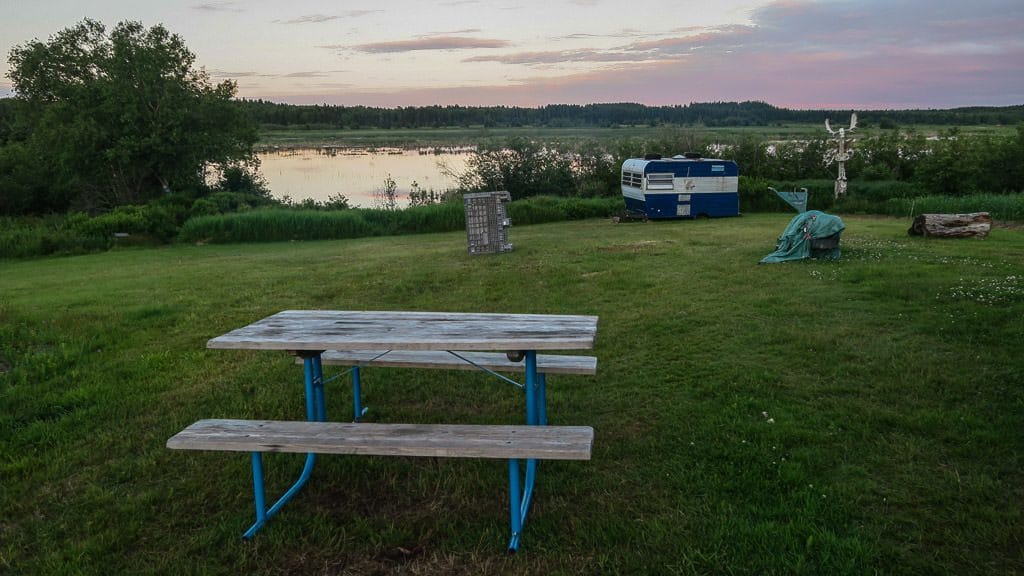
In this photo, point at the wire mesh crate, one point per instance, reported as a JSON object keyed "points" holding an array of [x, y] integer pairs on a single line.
{"points": [[487, 222]]}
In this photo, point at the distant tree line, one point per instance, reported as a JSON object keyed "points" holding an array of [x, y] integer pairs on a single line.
{"points": [[714, 114]]}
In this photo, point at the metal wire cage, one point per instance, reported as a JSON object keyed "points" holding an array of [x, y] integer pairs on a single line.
{"points": [[487, 222]]}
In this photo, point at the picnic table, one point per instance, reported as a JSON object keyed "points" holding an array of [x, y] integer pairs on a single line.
{"points": [[412, 337]]}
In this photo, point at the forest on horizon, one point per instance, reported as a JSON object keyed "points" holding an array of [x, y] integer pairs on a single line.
{"points": [[271, 115]]}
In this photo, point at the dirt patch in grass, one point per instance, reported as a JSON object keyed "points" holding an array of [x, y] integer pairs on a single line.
{"points": [[1008, 225], [636, 247]]}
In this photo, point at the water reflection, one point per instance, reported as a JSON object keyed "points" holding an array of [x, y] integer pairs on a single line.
{"points": [[357, 173]]}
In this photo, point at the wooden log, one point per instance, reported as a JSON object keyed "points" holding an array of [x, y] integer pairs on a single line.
{"points": [[976, 224]]}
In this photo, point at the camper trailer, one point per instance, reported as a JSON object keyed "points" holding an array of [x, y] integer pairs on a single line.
{"points": [[683, 186]]}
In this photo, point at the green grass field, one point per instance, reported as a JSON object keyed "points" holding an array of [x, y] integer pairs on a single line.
{"points": [[855, 417]]}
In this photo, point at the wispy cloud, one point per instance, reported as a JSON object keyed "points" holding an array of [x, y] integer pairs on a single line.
{"points": [[217, 7], [308, 74], [320, 18], [227, 74], [293, 75], [450, 32], [726, 38], [565, 56], [427, 43], [310, 19]]}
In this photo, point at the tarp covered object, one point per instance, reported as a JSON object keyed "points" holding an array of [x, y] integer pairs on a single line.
{"points": [[812, 234]]}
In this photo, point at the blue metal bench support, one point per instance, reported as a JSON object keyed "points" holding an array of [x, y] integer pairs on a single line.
{"points": [[316, 411], [536, 414], [514, 504], [520, 487]]}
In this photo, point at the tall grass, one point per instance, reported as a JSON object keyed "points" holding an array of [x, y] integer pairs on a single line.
{"points": [[541, 209], [32, 237], [78, 234], [275, 225], [1000, 206]]}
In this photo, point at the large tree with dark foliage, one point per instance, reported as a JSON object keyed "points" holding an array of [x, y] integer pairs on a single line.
{"points": [[104, 118]]}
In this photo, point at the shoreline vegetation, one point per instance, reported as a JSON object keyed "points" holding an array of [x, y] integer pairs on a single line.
{"points": [[272, 139], [555, 174], [557, 163]]}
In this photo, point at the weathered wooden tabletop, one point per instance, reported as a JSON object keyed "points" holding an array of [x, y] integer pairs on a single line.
{"points": [[309, 330]]}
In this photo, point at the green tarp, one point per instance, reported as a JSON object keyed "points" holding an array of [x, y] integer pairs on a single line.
{"points": [[812, 234], [798, 200]]}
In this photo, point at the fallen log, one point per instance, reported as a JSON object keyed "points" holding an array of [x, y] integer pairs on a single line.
{"points": [[977, 224]]}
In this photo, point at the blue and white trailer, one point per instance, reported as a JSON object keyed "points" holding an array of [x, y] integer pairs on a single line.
{"points": [[680, 187]]}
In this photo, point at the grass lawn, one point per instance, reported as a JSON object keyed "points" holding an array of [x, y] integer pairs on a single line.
{"points": [[853, 417]]}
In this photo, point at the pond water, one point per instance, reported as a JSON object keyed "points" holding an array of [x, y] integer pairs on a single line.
{"points": [[358, 173]]}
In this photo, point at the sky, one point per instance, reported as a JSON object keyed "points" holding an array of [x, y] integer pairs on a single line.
{"points": [[808, 54]]}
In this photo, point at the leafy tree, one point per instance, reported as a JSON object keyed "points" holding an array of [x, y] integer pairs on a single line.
{"points": [[122, 117], [954, 165], [521, 166]]}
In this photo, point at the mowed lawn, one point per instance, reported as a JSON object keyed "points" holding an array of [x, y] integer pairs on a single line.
{"points": [[853, 417]]}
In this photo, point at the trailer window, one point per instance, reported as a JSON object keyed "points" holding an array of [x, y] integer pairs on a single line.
{"points": [[631, 179], [659, 181]]}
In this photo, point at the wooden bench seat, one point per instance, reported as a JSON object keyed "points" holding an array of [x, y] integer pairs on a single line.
{"points": [[442, 440], [496, 361]]}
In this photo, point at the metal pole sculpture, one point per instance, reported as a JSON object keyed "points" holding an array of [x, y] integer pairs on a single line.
{"points": [[841, 154]]}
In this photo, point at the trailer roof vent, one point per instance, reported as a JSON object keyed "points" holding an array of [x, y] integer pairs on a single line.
{"points": [[652, 156]]}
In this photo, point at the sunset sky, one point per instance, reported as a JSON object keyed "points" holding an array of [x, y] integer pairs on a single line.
{"points": [[865, 54]]}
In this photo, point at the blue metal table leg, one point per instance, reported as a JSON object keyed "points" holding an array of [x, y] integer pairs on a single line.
{"points": [[542, 400], [357, 394], [536, 414], [531, 387], [309, 375], [514, 504], [318, 390], [315, 411], [258, 492]]}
